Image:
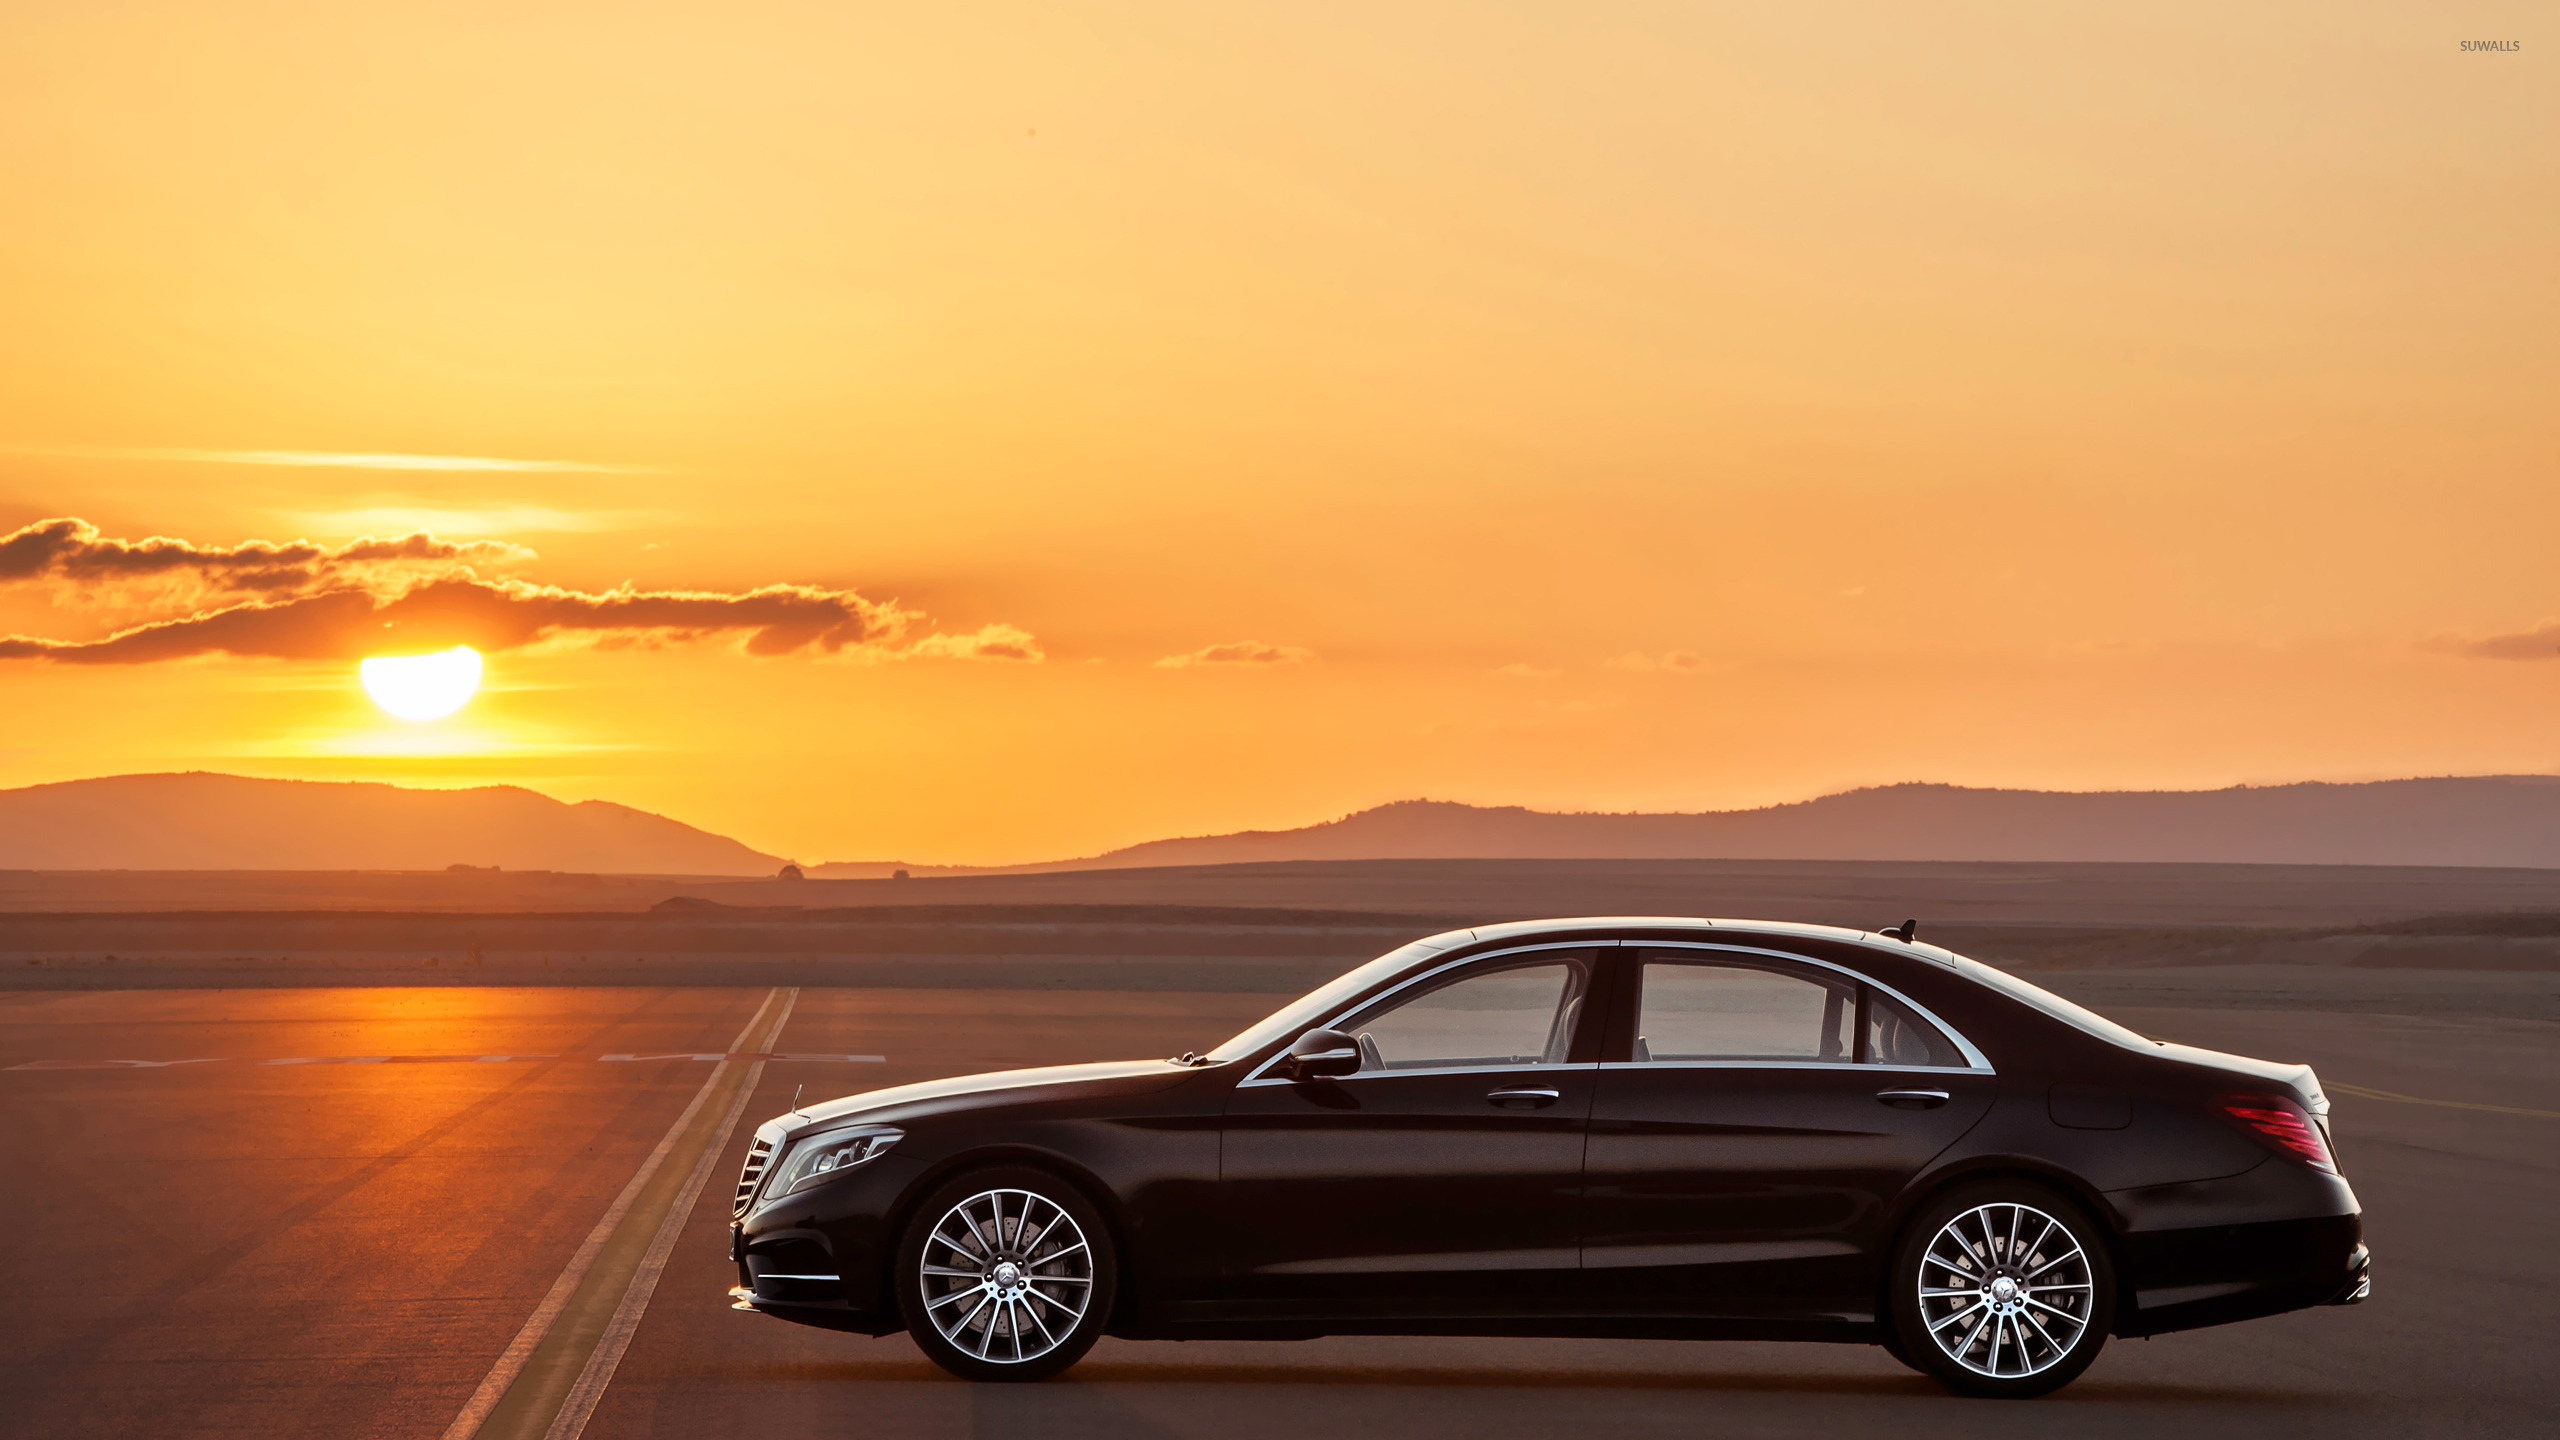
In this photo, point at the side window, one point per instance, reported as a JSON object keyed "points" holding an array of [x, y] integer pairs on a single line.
{"points": [[1720, 1011], [1520, 1014], [1895, 1036]]}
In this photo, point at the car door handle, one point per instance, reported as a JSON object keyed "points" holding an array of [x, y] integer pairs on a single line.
{"points": [[1525, 1099], [1913, 1099]]}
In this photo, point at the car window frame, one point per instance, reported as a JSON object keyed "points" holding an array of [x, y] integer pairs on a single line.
{"points": [[1627, 996], [1597, 1002]]}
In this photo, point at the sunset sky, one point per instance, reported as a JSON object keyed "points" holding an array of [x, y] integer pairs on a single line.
{"points": [[981, 433]]}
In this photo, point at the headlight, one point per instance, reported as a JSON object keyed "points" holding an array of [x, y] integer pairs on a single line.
{"points": [[832, 1153]]}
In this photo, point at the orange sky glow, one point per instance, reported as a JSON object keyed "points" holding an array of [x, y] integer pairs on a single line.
{"points": [[983, 433]]}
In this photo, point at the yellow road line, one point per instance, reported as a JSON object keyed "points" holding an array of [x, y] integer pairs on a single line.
{"points": [[607, 1354], [2362, 1093], [526, 1393]]}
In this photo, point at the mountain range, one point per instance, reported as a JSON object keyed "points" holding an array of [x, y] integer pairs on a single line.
{"points": [[229, 822], [232, 822], [2492, 820]]}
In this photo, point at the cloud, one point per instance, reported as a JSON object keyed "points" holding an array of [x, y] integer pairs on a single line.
{"points": [[374, 597], [2542, 642], [495, 518], [1239, 652], [1518, 671], [71, 551], [987, 642], [331, 459], [1673, 662]]}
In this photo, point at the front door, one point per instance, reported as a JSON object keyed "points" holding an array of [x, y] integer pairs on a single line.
{"points": [[1439, 1180], [1756, 1119]]}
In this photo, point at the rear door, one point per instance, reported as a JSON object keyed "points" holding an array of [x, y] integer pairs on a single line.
{"points": [[1439, 1180], [1756, 1116]]}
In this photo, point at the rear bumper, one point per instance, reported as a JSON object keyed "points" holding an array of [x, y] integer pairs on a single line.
{"points": [[2278, 1237]]}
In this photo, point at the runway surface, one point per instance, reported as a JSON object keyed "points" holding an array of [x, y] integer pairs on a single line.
{"points": [[345, 1245]]}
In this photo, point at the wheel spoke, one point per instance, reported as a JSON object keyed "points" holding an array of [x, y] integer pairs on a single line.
{"points": [[2056, 1260], [942, 1300], [1944, 1322], [2053, 1310], [1073, 1313], [1034, 1312], [2030, 1317], [1928, 1293], [1973, 1334], [947, 1271], [2041, 1236], [1031, 1246], [984, 1300]]}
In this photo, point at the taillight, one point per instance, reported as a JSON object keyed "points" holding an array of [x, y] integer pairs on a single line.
{"points": [[2283, 1125]]}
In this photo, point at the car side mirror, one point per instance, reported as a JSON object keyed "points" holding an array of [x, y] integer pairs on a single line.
{"points": [[1321, 1054]]}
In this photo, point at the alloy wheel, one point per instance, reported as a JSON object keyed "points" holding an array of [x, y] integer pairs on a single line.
{"points": [[2005, 1290], [1006, 1276]]}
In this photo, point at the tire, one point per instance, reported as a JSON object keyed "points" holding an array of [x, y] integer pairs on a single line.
{"points": [[1892, 1343], [985, 1303], [2002, 1290]]}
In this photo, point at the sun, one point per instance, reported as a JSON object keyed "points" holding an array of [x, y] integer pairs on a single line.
{"points": [[422, 687]]}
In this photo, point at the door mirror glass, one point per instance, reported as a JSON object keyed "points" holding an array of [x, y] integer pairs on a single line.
{"points": [[1321, 1053]]}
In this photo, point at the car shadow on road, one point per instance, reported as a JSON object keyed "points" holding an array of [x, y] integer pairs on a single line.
{"points": [[1100, 1374]]}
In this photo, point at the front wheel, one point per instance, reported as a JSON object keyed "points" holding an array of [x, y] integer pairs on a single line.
{"points": [[1006, 1274], [2002, 1290]]}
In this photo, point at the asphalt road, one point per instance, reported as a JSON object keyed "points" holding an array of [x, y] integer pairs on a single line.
{"points": [[342, 1249]]}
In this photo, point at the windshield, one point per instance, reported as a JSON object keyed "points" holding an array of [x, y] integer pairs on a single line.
{"points": [[1302, 1014], [2054, 1005]]}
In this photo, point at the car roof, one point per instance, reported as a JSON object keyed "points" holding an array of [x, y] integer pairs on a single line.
{"points": [[1531, 929]]}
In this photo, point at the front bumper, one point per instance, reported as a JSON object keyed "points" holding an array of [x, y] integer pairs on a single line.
{"points": [[821, 1257]]}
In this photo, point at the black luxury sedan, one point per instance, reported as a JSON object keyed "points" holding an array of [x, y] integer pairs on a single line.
{"points": [[1596, 1127]]}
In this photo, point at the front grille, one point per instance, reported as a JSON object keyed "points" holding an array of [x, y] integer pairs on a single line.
{"points": [[758, 1155]]}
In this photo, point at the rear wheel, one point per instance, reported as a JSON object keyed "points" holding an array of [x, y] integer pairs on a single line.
{"points": [[2002, 1290], [1006, 1274]]}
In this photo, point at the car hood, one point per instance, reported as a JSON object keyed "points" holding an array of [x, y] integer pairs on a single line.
{"points": [[1128, 1077]]}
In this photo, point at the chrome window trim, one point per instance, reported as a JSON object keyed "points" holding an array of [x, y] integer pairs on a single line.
{"points": [[1976, 1063], [1533, 1066], [1258, 1078]]}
